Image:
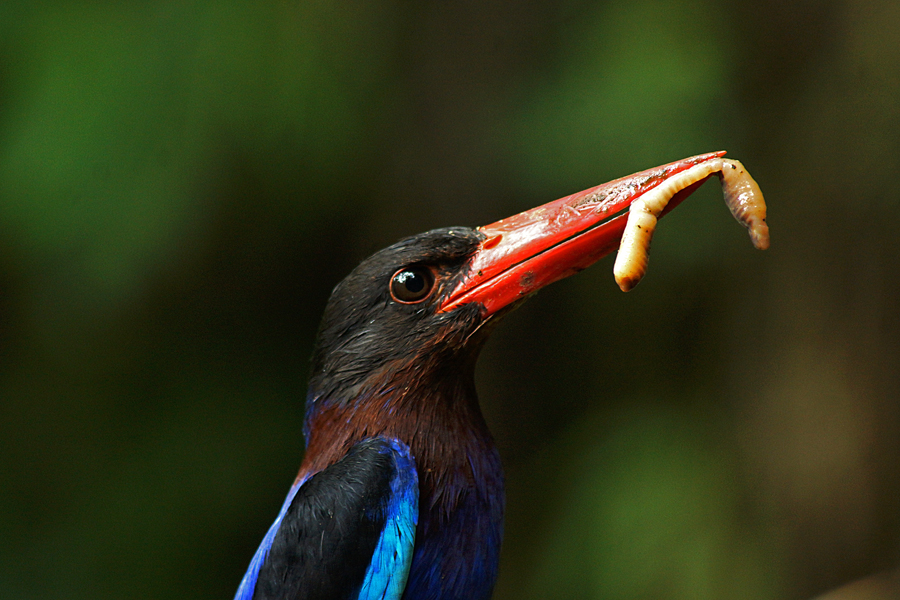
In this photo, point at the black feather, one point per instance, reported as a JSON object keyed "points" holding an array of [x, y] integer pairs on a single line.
{"points": [[329, 533]]}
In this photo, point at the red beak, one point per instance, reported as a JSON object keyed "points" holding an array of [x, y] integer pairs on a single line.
{"points": [[523, 253]]}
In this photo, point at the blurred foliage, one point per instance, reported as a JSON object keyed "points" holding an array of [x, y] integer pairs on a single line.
{"points": [[182, 183]]}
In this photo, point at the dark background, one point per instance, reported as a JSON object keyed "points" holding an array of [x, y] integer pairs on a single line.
{"points": [[182, 184]]}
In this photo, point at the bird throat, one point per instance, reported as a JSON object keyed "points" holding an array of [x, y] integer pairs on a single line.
{"points": [[461, 495]]}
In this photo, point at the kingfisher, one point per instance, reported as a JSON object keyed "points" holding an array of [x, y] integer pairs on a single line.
{"points": [[400, 491]]}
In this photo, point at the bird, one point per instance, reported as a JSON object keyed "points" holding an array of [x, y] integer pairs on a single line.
{"points": [[400, 494]]}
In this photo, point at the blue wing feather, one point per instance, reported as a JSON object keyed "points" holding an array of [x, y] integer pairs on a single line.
{"points": [[248, 583], [396, 507], [387, 573]]}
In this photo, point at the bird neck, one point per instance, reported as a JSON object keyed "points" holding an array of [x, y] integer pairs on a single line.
{"points": [[461, 496], [437, 415]]}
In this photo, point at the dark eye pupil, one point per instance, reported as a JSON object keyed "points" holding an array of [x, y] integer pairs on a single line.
{"points": [[411, 284], [412, 281]]}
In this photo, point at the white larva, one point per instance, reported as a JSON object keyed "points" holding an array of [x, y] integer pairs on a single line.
{"points": [[742, 195], [745, 201]]}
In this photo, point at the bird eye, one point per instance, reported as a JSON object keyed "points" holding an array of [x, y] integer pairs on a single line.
{"points": [[412, 284]]}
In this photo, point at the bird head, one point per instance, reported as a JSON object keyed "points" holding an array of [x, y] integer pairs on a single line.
{"points": [[386, 316], [420, 310]]}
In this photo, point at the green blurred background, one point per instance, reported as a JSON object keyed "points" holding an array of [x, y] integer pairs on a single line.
{"points": [[182, 183]]}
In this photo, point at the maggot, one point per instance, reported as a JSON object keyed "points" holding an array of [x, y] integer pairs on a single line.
{"points": [[742, 196]]}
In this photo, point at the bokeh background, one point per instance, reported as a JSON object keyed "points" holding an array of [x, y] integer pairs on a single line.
{"points": [[182, 184]]}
